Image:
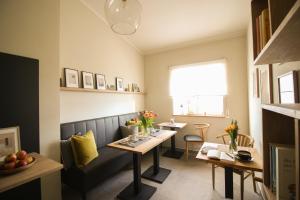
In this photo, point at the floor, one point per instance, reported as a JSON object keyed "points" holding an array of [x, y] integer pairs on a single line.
{"points": [[189, 180]]}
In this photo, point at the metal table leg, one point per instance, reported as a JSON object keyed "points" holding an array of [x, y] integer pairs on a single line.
{"points": [[173, 152], [137, 190], [229, 182], [156, 173]]}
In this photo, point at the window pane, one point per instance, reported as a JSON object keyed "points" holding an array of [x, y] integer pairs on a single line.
{"points": [[198, 105], [199, 89]]}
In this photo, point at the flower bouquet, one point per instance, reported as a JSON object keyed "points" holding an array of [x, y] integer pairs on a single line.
{"points": [[232, 131], [147, 119]]}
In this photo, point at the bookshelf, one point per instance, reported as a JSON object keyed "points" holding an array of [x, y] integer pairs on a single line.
{"points": [[283, 27], [281, 124], [98, 91]]}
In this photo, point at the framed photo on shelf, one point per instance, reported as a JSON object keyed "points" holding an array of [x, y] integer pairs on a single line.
{"points": [[100, 82], [119, 84], [87, 80], [266, 84], [288, 88], [9, 140], [71, 78], [256, 83]]}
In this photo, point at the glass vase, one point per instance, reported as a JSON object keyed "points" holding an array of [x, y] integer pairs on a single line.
{"points": [[232, 145], [146, 131]]}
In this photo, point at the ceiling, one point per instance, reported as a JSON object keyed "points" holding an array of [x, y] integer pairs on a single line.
{"points": [[168, 24]]}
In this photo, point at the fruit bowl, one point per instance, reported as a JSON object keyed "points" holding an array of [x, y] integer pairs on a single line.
{"points": [[17, 169]]}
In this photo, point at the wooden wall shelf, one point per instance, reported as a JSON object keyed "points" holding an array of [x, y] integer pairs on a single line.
{"points": [[284, 44], [291, 110], [98, 91], [281, 125]]}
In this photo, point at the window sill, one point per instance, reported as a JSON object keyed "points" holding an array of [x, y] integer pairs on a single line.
{"points": [[191, 115]]}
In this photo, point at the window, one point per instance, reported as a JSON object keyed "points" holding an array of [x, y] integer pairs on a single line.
{"points": [[199, 89]]}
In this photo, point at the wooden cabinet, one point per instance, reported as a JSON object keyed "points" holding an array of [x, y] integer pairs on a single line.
{"points": [[280, 125], [284, 29]]}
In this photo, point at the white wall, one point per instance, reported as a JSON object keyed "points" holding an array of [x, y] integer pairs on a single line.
{"points": [[31, 28], [157, 83], [88, 44]]}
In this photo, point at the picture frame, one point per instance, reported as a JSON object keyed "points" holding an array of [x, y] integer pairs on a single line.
{"points": [[71, 78], [100, 81], [266, 84], [288, 88], [87, 80], [119, 84], [9, 140], [256, 83]]}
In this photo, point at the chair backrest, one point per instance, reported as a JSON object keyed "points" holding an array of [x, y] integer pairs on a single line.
{"points": [[203, 128], [242, 139]]}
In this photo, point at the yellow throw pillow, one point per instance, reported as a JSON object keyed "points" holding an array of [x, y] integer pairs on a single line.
{"points": [[84, 148]]}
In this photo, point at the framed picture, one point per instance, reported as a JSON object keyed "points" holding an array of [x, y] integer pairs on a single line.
{"points": [[288, 88], [100, 82], [256, 83], [71, 78], [9, 140], [266, 84], [88, 80], [119, 84]]}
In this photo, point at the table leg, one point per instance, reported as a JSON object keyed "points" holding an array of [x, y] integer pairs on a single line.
{"points": [[228, 182], [156, 173], [173, 152], [137, 190]]}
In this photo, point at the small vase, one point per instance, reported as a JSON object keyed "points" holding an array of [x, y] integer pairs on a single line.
{"points": [[146, 131], [232, 145]]}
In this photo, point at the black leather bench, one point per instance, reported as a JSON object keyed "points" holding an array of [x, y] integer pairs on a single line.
{"points": [[109, 162]]}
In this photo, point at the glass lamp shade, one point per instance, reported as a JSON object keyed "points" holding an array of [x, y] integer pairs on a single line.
{"points": [[123, 15]]}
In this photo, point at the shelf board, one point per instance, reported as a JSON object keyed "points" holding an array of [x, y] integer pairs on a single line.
{"points": [[291, 110], [284, 44], [98, 91]]}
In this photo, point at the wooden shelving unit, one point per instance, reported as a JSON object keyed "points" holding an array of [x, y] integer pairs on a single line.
{"points": [[280, 125], [98, 91], [284, 44]]}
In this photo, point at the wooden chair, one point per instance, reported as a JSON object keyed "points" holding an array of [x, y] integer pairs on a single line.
{"points": [[245, 141], [203, 128]]}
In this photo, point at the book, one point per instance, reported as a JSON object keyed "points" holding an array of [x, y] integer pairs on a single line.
{"points": [[265, 26], [219, 155], [285, 173], [258, 48], [208, 146]]}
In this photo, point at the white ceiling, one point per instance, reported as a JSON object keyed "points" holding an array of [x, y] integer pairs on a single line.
{"points": [[167, 24]]}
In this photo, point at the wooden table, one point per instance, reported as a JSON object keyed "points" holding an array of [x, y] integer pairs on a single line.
{"points": [[173, 152], [255, 165], [43, 166], [137, 190]]}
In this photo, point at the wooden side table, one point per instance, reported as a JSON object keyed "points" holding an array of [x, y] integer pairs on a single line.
{"points": [[42, 167]]}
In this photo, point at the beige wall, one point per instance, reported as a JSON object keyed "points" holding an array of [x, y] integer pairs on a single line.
{"points": [[31, 28], [157, 83], [88, 44], [255, 110]]}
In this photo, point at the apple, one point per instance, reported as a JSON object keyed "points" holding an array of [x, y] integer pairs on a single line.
{"points": [[29, 159], [11, 158], [21, 155], [22, 163], [9, 165]]}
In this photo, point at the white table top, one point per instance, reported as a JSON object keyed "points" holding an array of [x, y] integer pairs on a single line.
{"points": [[172, 125]]}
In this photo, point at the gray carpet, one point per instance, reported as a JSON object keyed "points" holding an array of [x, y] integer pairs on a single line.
{"points": [[189, 180]]}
